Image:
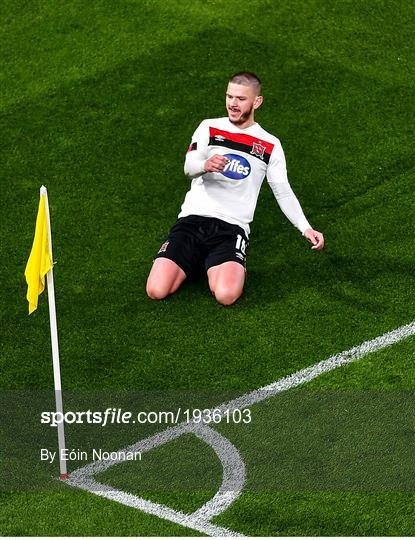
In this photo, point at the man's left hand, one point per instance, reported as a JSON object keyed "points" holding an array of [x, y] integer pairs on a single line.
{"points": [[316, 238]]}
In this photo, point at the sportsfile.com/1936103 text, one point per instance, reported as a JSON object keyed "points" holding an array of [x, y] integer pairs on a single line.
{"points": [[112, 415]]}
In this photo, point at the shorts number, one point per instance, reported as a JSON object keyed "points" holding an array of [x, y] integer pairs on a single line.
{"points": [[240, 244]]}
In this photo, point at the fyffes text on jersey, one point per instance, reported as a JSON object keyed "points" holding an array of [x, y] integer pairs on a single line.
{"points": [[237, 168]]}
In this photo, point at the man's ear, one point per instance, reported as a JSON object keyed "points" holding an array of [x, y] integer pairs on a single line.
{"points": [[258, 102]]}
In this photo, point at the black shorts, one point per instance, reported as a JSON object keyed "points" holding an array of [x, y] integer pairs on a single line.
{"points": [[195, 243]]}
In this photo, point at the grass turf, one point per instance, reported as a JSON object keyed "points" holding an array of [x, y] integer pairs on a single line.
{"points": [[99, 104]]}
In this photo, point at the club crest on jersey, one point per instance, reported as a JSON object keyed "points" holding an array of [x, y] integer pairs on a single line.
{"points": [[258, 150], [237, 167], [163, 247]]}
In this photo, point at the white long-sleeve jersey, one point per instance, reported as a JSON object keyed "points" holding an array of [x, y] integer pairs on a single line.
{"points": [[232, 195]]}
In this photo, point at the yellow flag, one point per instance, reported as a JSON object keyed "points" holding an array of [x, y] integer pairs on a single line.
{"points": [[40, 260]]}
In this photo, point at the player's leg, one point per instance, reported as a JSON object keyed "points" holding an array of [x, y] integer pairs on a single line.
{"points": [[165, 278], [225, 262], [226, 281], [177, 259]]}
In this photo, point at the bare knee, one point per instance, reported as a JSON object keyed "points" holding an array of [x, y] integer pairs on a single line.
{"points": [[226, 281], [227, 295], [164, 279], [156, 292]]}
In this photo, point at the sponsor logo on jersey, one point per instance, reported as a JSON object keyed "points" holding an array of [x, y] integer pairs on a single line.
{"points": [[219, 138], [237, 167], [258, 150]]}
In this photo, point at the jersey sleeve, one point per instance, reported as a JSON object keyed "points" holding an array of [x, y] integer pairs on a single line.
{"points": [[283, 193], [197, 152]]}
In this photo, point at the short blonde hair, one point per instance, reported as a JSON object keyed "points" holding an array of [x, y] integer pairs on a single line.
{"points": [[247, 78]]}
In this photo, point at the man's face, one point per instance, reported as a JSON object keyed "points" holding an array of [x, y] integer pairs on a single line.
{"points": [[241, 102]]}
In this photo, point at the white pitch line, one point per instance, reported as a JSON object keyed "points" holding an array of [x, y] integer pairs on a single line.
{"points": [[149, 507], [199, 520], [232, 484], [233, 473], [310, 373]]}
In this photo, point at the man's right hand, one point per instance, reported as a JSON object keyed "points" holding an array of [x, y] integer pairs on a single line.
{"points": [[216, 163]]}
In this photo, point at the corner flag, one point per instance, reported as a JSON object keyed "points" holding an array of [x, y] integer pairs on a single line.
{"points": [[40, 259], [38, 267]]}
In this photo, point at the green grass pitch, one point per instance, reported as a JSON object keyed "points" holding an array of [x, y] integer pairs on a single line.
{"points": [[99, 101]]}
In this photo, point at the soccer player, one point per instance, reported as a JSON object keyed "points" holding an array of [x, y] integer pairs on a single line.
{"points": [[227, 161]]}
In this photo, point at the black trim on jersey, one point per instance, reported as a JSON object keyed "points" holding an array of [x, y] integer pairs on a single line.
{"points": [[246, 148], [193, 146]]}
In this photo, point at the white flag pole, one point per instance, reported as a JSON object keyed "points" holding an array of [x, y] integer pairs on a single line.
{"points": [[55, 348]]}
